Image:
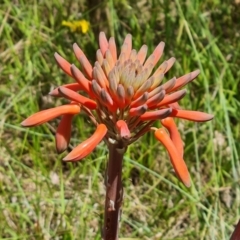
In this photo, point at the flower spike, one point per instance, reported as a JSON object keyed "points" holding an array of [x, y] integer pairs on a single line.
{"points": [[123, 95], [86, 147]]}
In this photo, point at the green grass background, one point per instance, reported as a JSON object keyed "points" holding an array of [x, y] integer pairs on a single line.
{"points": [[43, 198]]}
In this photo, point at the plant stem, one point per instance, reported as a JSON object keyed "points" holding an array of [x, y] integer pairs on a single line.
{"points": [[114, 191], [236, 233]]}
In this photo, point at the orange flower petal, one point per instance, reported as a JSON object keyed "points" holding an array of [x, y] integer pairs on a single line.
{"points": [[146, 86], [99, 75], [176, 160], [182, 81], [158, 51], [137, 111], [128, 42], [109, 58], [73, 96], [63, 64], [121, 96], [122, 129], [49, 114], [191, 115], [72, 86], [170, 63], [174, 105], [81, 57], [174, 97], [139, 101], [155, 115], [113, 49], [154, 100], [141, 56], [63, 133], [174, 133], [79, 77], [99, 57], [167, 86], [107, 100], [103, 42], [86, 147], [159, 74], [103, 96]]}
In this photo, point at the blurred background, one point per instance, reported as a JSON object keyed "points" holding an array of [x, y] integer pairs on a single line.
{"points": [[43, 198]]}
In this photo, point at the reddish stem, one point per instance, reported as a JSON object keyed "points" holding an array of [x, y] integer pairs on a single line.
{"points": [[236, 232], [114, 191]]}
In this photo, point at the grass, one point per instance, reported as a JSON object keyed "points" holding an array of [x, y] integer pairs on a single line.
{"points": [[43, 198]]}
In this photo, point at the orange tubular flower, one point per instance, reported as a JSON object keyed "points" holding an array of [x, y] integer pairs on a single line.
{"points": [[124, 98], [176, 159], [174, 134], [86, 147], [72, 86], [49, 114], [63, 133]]}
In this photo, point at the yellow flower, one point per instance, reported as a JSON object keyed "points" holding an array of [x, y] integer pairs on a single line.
{"points": [[81, 25]]}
